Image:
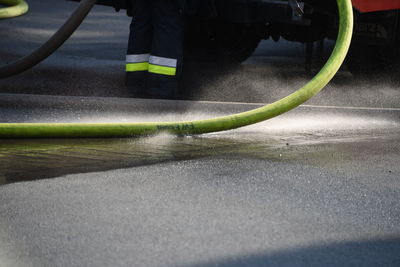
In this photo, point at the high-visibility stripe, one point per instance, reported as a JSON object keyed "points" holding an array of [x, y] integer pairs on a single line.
{"points": [[130, 67], [162, 70], [137, 58], [163, 61]]}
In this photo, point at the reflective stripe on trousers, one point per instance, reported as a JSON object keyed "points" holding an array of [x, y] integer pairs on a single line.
{"points": [[137, 62], [153, 64]]}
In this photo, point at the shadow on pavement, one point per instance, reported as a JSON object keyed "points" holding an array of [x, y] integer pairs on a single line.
{"points": [[24, 160], [355, 253]]}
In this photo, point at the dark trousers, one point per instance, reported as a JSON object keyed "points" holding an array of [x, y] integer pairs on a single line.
{"points": [[155, 48]]}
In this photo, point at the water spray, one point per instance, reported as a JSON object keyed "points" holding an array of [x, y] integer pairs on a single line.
{"points": [[96, 130]]}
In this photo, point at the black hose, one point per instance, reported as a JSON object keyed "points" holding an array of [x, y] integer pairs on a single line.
{"points": [[52, 44]]}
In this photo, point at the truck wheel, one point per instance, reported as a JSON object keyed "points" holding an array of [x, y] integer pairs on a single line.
{"points": [[364, 59], [222, 43], [369, 59]]}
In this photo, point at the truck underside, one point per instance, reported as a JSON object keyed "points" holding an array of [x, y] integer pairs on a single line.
{"points": [[228, 31], [232, 29]]}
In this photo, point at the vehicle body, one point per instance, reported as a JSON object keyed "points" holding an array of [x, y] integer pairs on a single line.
{"points": [[373, 5]]}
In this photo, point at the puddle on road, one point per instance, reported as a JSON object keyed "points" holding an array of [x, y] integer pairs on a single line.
{"points": [[23, 160]]}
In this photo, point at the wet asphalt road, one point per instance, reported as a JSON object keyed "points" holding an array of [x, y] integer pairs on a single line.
{"points": [[318, 186]]}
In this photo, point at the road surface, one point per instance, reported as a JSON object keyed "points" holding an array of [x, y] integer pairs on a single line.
{"points": [[318, 186]]}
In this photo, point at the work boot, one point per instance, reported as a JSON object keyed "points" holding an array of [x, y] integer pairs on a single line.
{"points": [[162, 87], [136, 83]]}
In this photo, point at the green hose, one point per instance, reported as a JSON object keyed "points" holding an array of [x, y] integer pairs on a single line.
{"points": [[69, 130], [16, 8]]}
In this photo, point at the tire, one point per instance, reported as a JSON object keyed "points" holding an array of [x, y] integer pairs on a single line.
{"points": [[221, 43], [372, 60], [368, 59]]}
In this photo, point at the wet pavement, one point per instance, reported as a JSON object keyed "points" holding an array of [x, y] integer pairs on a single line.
{"points": [[318, 186]]}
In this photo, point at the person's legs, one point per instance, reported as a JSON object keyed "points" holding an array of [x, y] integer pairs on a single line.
{"points": [[165, 62], [139, 46]]}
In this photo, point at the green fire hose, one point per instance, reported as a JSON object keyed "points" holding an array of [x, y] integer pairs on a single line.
{"points": [[16, 8], [69, 130]]}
